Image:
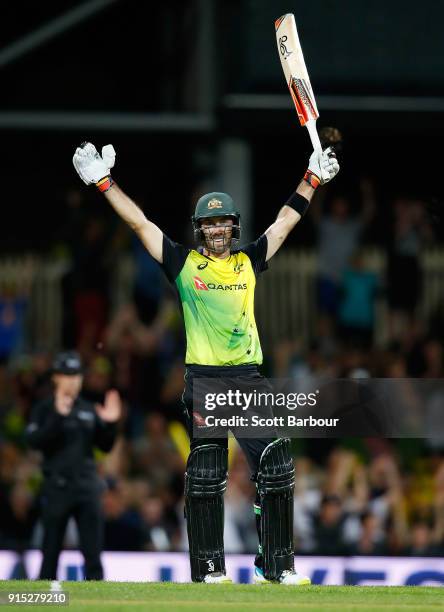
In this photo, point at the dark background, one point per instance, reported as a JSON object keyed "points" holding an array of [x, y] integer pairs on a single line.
{"points": [[139, 57]]}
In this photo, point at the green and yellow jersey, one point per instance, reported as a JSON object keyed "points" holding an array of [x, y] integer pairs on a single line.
{"points": [[217, 298]]}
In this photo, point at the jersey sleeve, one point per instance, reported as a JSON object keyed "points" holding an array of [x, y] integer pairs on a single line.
{"points": [[257, 253], [173, 258]]}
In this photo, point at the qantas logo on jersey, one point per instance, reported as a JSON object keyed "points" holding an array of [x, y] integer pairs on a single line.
{"points": [[201, 286]]}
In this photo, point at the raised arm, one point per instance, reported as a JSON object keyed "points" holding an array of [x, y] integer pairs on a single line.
{"points": [[94, 169], [287, 218], [295, 208], [148, 232]]}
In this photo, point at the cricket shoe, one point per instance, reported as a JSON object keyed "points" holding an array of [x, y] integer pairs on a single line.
{"points": [[288, 577], [217, 578]]}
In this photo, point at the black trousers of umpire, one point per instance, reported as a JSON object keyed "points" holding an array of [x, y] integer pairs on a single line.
{"points": [[60, 500], [252, 447]]}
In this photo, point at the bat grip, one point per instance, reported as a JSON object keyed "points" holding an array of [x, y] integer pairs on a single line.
{"points": [[315, 141], [314, 136]]}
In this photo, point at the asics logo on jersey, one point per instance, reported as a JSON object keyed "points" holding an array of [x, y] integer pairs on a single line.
{"points": [[202, 266]]}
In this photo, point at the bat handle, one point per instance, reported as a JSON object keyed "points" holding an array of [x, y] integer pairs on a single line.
{"points": [[313, 132], [315, 141]]}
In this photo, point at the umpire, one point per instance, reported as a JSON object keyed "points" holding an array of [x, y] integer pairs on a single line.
{"points": [[66, 428]]}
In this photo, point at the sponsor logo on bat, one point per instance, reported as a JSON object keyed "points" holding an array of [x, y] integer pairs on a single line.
{"points": [[282, 47], [302, 99]]}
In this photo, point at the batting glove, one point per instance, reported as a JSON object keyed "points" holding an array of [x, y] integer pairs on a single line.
{"points": [[92, 168], [322, 167]]}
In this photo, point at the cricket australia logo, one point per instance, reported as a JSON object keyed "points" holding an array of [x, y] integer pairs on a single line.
{"points": [[210, 566], [238, 268], [283, 49], [214, 204]]}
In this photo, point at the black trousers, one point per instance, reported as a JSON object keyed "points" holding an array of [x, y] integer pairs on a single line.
{"points": [[252, 447], [59, 503]]}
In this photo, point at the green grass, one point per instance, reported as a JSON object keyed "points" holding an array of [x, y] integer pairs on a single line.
{"points": [[154, 596]]}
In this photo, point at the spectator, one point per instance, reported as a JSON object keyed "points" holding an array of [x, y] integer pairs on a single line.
{"points": [[149, 284], [421, 542], [156, 457], [329, 527], [371, 539], [18, 518], [12, 321], [157, 532], [404, 277], [339, 233], [87, 285], [133, 347], [123, 525], [357, 304]]}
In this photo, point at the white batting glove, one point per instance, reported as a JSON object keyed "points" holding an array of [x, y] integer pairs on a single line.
{"points": [[324, 165], [90, 166]]}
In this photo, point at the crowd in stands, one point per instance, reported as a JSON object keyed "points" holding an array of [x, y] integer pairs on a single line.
{"points": [[368, 496]]}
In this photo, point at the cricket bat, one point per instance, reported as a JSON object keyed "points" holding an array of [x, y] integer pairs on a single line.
{"points": [[296, 75]]}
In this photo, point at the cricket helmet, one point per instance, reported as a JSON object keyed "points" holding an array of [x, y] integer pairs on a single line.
{"points": [[216, 204]]}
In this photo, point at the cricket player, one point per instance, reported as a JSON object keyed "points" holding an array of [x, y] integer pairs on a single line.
{"points": [[215, 282]]}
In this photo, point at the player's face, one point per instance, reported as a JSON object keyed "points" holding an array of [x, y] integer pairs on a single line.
{"points": [[218, 232], [68, 384]]}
